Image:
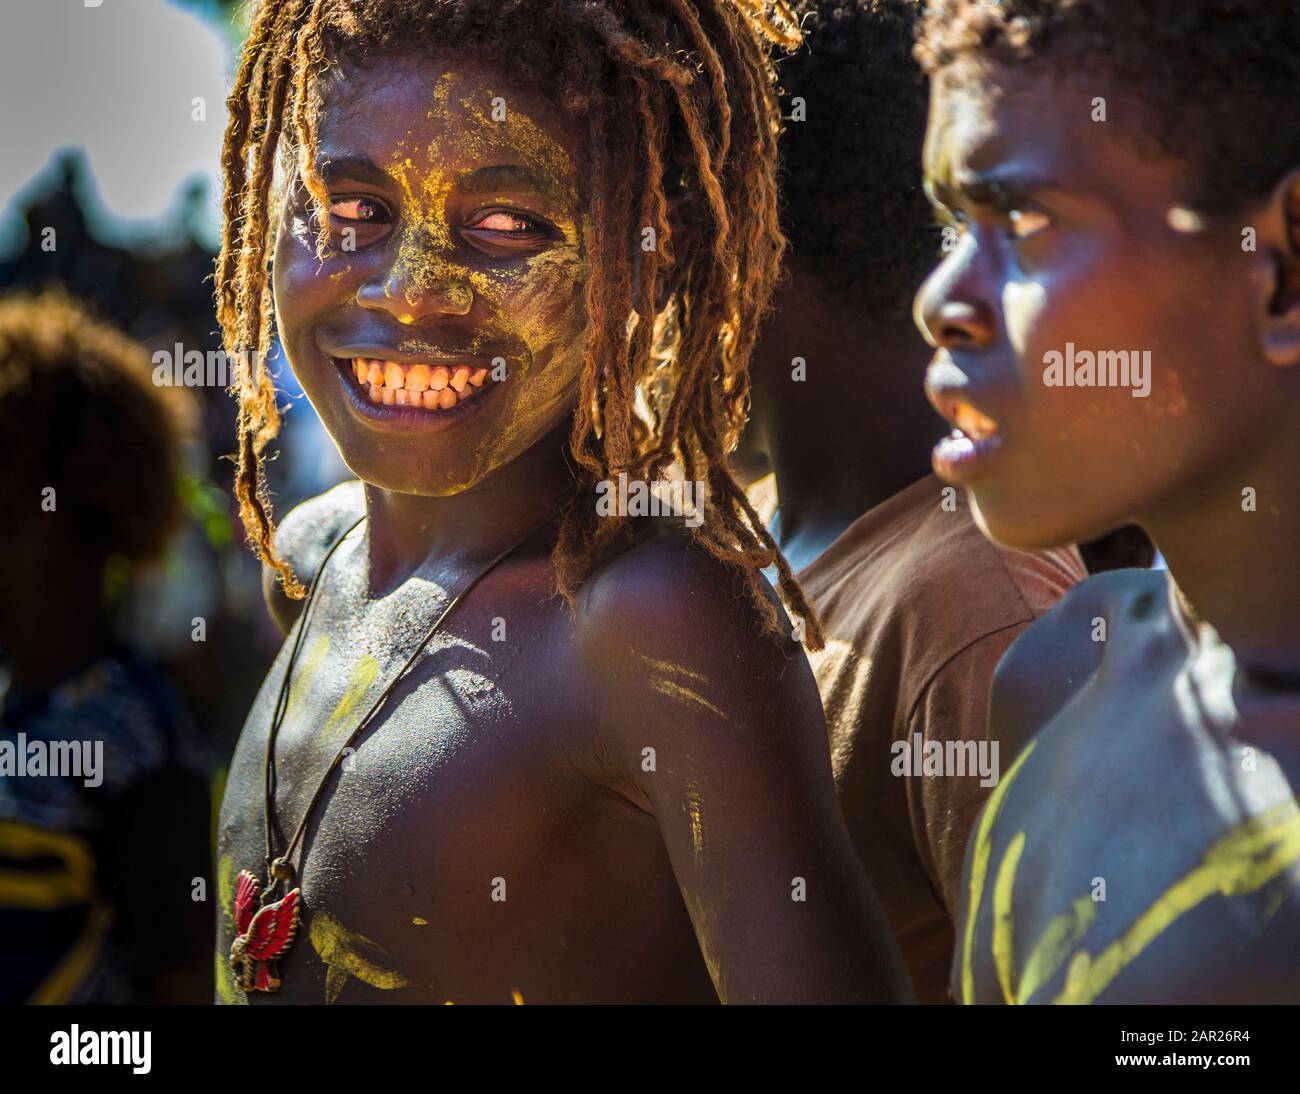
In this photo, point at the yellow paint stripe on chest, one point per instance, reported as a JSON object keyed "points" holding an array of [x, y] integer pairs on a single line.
{"points": [[1004, 955], [348, 709], [347, 953], [1246, 859], [305, 675], [1055, 945], [979, 869]]}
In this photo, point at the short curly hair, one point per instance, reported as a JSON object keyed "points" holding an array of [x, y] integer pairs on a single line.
{"points": [[853, 206], [1216, 79], [79, 413]]}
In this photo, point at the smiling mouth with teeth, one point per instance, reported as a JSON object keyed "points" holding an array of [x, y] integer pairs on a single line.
{"points": [[429, 387]]}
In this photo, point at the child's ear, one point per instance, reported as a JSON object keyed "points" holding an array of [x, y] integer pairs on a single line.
{"points": [[1279, 267]]}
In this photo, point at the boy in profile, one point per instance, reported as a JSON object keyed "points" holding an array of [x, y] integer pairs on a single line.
{"points": [[1117, 336]]}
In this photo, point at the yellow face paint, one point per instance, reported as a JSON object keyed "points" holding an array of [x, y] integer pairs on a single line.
{"points": [[425, 272], [534, 301]]}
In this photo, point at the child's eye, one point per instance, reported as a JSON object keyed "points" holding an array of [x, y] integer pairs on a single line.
{"points": [[1028, 222], [501, 221], [506, 233], [360, 210]]}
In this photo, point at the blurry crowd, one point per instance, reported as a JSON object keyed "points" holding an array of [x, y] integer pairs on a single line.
{"points": [[124, 617]]}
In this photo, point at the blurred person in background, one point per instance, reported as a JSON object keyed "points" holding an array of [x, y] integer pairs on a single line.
{"points": [[916, 605], [102, 871]]}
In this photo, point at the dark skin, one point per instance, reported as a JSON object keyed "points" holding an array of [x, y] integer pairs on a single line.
{"points": [[1159, 757], [512, 762], [799, 434]]}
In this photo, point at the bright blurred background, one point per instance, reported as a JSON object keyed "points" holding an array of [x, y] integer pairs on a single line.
{"points": [[112, 118], [112, 115]]}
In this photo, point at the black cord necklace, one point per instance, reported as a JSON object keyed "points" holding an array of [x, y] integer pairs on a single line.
{"points": [[265, 928]]}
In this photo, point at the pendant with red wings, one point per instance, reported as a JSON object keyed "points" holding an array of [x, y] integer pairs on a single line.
{"points": [[262, 935]]}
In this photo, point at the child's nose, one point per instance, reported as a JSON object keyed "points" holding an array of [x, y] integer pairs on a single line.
{"points": [[423, 289], [951, 313]]}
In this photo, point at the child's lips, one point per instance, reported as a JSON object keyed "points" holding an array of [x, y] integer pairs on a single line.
{"points": [[963, 455]]}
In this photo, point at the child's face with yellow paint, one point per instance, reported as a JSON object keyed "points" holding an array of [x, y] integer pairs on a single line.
{"points": [[442, 335]]}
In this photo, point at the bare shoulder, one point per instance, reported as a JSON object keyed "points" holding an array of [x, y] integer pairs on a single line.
{"points": [[665, 592], [1063, 649], [303, 537], [664, 619]]}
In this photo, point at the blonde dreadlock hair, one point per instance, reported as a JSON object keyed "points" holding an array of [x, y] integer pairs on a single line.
{"points": [[674, 93]]}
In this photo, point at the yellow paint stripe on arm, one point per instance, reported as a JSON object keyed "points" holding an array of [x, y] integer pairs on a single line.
{"points": [[667, 668], [686, 695], [1004, 954], [979, 868], [679, 683]]}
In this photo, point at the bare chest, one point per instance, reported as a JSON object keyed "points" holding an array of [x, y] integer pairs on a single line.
{"points": [[431, 816], [1136, 853]]}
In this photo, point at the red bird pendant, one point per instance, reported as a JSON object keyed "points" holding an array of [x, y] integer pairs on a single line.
{"points": [[262, 935]]}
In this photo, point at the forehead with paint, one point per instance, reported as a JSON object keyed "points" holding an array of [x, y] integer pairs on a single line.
{"points": [[455, 270]]}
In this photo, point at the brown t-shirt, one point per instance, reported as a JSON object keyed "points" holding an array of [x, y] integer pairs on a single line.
{"points": [[918, 608]]}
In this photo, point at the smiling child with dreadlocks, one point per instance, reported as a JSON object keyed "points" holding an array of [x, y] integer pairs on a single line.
{"points": [[517, 251]]}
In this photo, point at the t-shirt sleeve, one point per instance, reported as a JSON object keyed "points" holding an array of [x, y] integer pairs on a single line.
{"points": [[943, 808]]}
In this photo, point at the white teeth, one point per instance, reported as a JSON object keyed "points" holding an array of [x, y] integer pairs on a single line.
{"points": [[433, 387]]}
